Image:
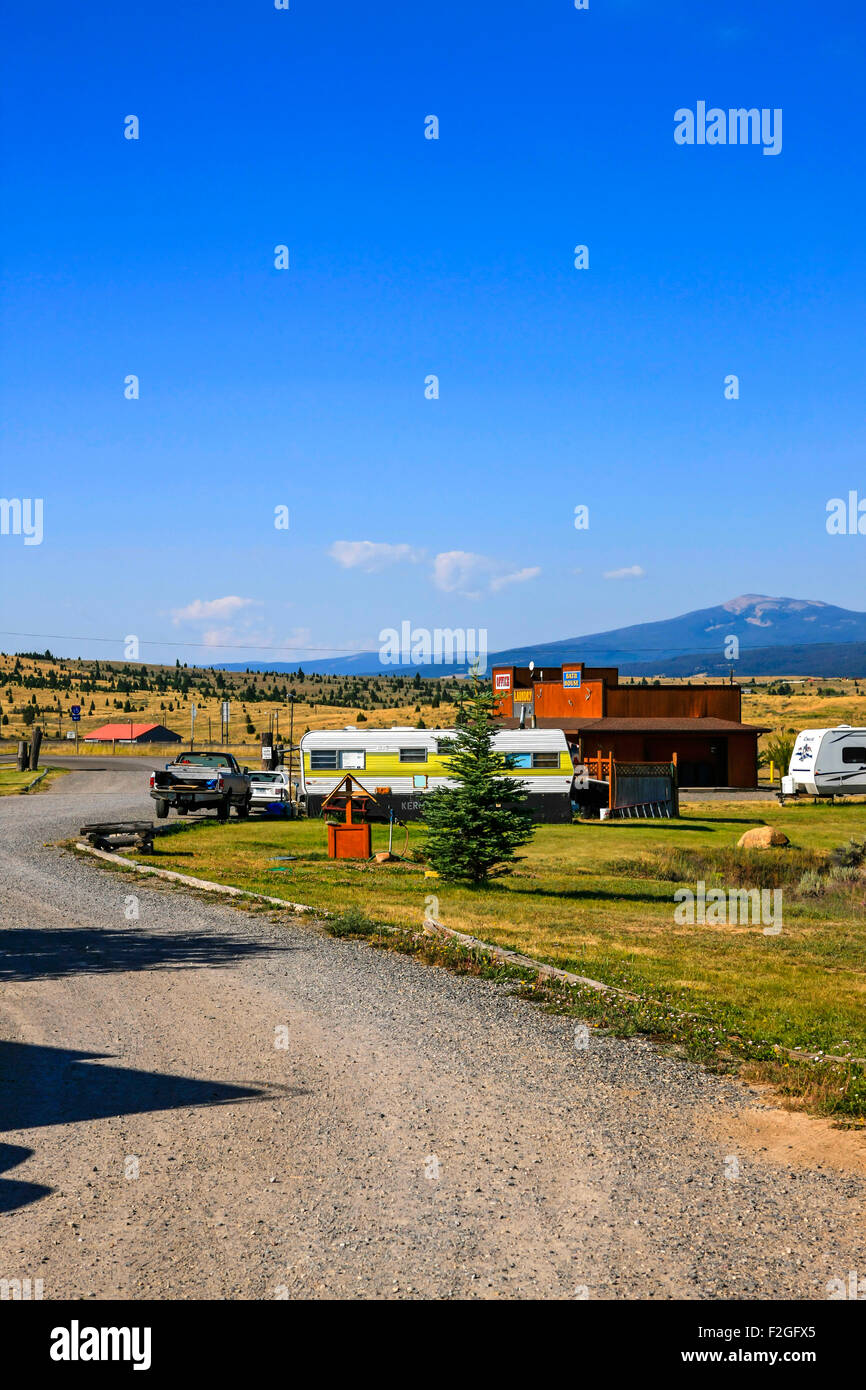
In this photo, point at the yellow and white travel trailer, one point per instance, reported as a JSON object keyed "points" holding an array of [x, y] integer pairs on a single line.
{"points": [[399, 766]]}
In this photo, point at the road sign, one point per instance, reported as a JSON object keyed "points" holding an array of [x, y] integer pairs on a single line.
{"points": [[75, 712], [225, 711]]}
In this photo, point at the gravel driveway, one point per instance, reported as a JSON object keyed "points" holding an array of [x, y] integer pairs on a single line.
{"points": [[414, 1133]]}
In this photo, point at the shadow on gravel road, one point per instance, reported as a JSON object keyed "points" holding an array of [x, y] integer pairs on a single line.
{"points": [[17, 1194], [55, 1085], [34, 953]]}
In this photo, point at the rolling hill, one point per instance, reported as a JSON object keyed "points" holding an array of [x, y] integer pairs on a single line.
{"points": [[777, 636]]}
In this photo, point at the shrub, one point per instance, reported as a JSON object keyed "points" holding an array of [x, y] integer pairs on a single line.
{"points": [[778, 750], [811, 884], [849, 856], [352, 922], [841, 874]]}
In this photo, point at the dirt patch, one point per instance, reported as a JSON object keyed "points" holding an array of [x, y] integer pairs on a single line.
{"points": [[792, 1138]]}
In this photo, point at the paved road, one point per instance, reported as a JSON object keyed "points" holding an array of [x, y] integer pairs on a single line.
{"points": [[419, 1135]]}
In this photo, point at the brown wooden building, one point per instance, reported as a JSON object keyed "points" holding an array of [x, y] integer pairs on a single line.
{"points": [[701, 724]]}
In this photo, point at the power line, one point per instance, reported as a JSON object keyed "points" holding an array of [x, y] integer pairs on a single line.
{"points": [[160, 642], [252, 647]]}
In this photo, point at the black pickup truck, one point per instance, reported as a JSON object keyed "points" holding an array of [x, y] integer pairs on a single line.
{"points": [[201, 782]]}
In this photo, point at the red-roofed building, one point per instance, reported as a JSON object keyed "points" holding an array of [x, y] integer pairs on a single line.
{"points": [[126, 731]]}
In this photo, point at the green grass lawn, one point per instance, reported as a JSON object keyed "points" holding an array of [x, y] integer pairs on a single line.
{"points": [[598, 899], [12, 781]]}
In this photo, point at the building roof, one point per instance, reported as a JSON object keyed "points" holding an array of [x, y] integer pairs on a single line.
{"points": [[125, 729], [674, 724]]}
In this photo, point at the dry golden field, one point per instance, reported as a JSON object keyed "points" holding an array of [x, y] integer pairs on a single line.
{"points": [[806, 708], [113, 692]]}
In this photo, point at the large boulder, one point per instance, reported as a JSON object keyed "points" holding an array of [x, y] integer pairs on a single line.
{"points": [[762, 837]]}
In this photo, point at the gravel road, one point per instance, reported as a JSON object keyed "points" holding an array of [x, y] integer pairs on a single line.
{"points": [[418, 1135]]}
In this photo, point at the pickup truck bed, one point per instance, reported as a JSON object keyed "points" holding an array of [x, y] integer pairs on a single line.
{"points": [[202, 782]]}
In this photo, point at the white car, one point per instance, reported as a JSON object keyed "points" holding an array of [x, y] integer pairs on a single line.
{"points": [[268, 787]]}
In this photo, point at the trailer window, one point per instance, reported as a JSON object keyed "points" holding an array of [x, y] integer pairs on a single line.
{"points": [[545, 760], [413, 755], [854, 755], [518, 759], [352, 759], [323, 759]]}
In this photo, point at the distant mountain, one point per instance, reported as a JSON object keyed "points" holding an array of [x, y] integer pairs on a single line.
{"points": [[823, 659], [675, 646], [757, 622]]}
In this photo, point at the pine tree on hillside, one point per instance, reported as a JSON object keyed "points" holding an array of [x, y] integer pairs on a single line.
{"points": [[475, 827]]}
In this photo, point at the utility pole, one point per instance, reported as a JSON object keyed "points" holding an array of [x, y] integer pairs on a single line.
{"points": [[292, 698]]}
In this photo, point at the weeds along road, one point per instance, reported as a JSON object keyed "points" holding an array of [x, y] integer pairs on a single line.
{"points": [[421, 1134]]}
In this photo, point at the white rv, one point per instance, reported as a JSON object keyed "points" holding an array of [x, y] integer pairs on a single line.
{"points": [[828, 762], [400, 766]]}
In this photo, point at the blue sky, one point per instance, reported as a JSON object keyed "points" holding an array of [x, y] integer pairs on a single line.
{"points": [[411, 257]]}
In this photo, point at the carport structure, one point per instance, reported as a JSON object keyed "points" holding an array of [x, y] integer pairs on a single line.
{"points": [[708, 752]]}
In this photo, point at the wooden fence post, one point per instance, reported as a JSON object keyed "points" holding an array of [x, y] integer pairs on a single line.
{"points": [[34, 750]]}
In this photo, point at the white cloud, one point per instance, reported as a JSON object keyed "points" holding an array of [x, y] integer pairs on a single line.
{"points": [[371, 555], [464, 572], [224, 637], [203, 610], [455, 570], [298, 645], [518, 577], [630, 572], [260, 641]]}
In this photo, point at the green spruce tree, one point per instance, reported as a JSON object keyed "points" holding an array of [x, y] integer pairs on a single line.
{"points": [[475, 827]]}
